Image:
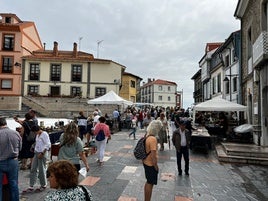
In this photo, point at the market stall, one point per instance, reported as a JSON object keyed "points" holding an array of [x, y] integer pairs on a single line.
{"points": [[202, 139], [217, 105]]}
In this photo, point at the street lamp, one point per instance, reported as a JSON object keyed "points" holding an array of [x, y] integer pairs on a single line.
{"points": [[226, 79]]}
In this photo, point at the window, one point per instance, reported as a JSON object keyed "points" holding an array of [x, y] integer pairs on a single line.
{"points": [[7, 64], [6, 84], [8, 20], [168, 88], [160, 98], [219, 82], [133, 99], [168, 98], [8, 42], [234, 84], [132, 84], [33, 90], [160, 88], [34, 71], [213, 85], [233, 56], [249, 44], [227, 87], [227, 60], [55, 72], [76, 73], [55, 90], [100, 91], [76, 91]]}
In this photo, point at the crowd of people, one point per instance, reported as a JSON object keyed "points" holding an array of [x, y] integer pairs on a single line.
{"points": [[157, 122]]}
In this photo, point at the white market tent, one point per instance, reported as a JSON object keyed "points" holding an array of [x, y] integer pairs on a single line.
{"points": [[219, 104], [110, 98]]}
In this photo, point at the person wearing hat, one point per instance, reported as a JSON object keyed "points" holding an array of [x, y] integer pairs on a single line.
{"points": [[181, 140]]}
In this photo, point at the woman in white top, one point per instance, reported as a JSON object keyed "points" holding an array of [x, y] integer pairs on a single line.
{"points": [[42, 145]]}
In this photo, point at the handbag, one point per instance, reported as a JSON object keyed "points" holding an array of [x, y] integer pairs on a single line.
{"points": [[30, 136]]}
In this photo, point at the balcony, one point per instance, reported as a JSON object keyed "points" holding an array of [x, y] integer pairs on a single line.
{"points": [[260, 49]]}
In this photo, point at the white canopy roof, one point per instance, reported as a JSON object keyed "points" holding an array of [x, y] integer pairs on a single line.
{"points": [[219, 104], [110, 98]]}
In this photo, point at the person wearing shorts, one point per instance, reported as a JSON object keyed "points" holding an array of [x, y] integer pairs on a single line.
{"points": [[150, 162], [150, 174]]}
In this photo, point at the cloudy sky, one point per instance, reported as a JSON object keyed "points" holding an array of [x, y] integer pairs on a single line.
{"points": [[161, 39]]}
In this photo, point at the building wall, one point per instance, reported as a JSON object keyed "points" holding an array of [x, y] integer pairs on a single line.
{"points": [[105, 75], [127, 91], [249, 88], [44, 82], [100, 75], [165, 94], [26, 39]]}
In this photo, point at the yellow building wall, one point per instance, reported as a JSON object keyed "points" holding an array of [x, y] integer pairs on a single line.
{"points": [[127, 92]]}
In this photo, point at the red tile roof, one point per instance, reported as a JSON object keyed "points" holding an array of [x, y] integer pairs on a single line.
{"points": [[212, 46]]}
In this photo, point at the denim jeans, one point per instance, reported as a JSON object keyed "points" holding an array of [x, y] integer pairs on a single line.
{"points": [[133, 132], [11, 168]]}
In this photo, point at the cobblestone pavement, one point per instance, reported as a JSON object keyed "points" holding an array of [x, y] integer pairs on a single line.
{"points": [[121, 178]]}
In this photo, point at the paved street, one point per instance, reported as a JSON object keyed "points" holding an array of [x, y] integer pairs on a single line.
{"points": [[122, 177]]}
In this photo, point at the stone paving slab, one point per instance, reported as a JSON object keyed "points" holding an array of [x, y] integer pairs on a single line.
{"points": [[121, 178]]}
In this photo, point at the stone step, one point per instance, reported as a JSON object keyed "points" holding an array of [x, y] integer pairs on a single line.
{"points": [[224, 157], [247, 150]]}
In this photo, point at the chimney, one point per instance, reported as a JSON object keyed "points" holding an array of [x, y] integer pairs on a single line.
{"points": [[149, 80], [75, 50], [55, 49]]}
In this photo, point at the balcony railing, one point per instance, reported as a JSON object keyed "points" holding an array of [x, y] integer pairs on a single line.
{"points": [[260, 49]]}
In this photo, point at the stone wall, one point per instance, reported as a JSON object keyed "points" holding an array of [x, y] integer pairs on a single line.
{"points": [[57, 107], [10, 103]]}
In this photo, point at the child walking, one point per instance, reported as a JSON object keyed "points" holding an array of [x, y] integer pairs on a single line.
{"points": [[134, 127]]}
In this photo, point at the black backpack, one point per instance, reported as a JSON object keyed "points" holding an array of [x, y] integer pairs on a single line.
{"points": [[139, 150]]}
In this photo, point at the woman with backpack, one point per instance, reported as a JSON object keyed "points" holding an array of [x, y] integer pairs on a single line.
{"points": [[102, 133]]}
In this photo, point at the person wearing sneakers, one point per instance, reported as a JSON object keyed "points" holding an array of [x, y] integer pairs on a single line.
{"points": [[101, 144], [42, 145], [181, 140]]}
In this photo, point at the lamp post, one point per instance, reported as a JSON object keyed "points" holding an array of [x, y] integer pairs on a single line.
{"points": [[226, 79]]}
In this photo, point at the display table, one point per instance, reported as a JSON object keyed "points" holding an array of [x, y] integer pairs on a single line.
{"points": [[201, 138]]}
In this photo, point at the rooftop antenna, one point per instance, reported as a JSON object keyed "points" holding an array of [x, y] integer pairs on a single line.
{"points": [[98, 46], [80, 38]]}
